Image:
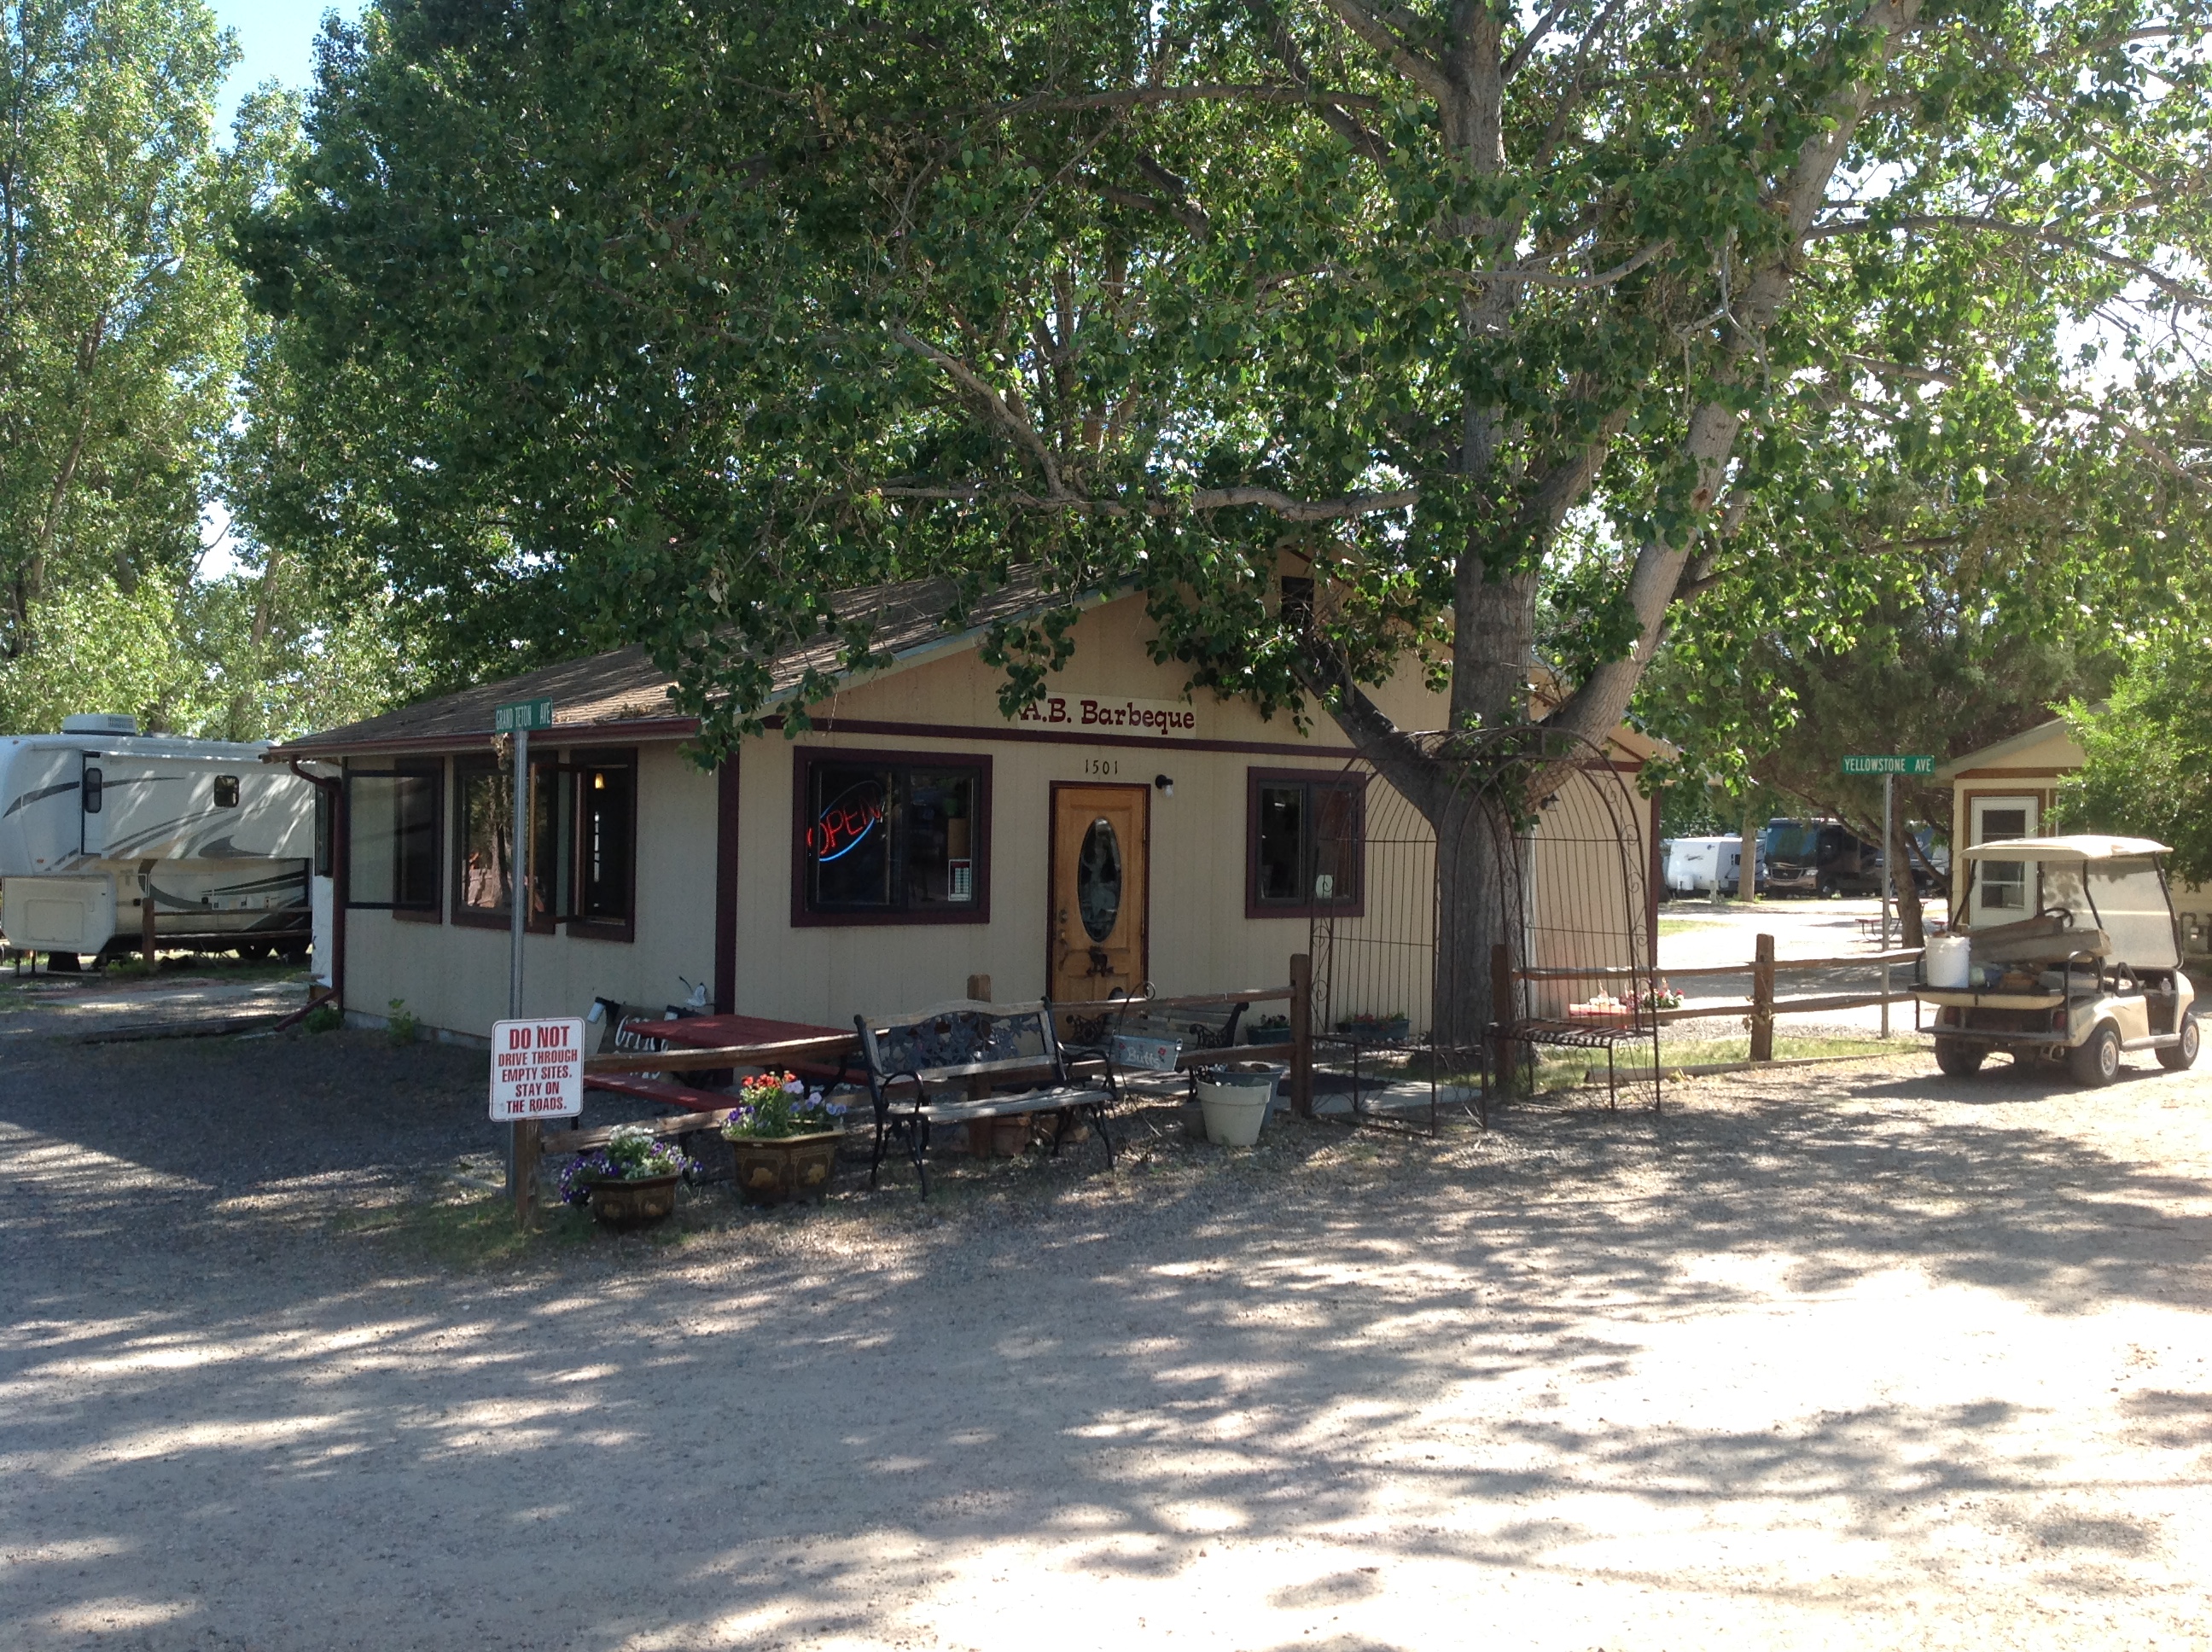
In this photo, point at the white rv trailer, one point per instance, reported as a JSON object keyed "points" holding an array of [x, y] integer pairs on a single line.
{"points": [[100, 819], [1690, 862]]}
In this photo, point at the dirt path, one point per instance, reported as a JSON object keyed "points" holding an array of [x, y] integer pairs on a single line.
{"points": [[1843, 1356]]}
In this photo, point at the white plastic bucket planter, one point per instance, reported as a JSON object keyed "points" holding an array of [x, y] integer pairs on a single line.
{"points": [[1235, 1101], [1948, 960]]}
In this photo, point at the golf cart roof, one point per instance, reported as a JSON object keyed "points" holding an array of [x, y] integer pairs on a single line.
{"points": [[2086, 847]]}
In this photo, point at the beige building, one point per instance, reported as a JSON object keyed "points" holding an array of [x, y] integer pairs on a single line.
{"points": [[1115, 833], [2005, 790]]}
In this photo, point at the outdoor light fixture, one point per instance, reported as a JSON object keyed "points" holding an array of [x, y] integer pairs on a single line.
{"points": [[1166, 783]]}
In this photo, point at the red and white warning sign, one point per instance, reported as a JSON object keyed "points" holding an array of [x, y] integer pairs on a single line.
{"points": [[536, 1070]]}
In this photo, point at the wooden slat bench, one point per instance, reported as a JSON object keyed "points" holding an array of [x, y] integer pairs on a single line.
{"points": [[937, 1068]]}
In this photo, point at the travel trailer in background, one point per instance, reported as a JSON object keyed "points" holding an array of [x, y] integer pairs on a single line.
{"points": [[100, 819], [1690, 862]]}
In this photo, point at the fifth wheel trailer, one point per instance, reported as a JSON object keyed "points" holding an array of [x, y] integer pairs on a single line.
{"points": [[99, 819]]}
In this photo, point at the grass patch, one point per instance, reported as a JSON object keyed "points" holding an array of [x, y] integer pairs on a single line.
{"points": [[469, 1232]]}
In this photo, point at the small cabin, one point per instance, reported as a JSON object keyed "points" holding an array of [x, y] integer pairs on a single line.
{"points": [[1117, 832]]}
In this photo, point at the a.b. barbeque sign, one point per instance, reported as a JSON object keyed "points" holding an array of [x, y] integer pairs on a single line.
{"points": [[1084, 713]]}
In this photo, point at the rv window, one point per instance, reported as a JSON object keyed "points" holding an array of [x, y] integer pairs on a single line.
{"points": [[392, 860], [1305, 845], [92, 789], [888, 839], [226, 791]]}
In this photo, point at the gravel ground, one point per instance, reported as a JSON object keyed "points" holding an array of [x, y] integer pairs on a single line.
{"points": [[1827, 1355]]}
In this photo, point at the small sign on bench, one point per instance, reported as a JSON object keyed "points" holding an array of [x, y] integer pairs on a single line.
{"points": [[1143, 1053]]}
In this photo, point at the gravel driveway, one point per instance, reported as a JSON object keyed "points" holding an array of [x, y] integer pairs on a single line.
{"points": [[1830, 1356]]}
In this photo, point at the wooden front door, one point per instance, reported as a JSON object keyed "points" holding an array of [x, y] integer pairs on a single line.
{"points": [[1098, 923]]}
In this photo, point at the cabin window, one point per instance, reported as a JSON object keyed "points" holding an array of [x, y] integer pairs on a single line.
{"points": [[605, 845], [226, 791], [484, 844], [582, 835], [392, 840], [93, 782], [1305, 845], [890, 838]]}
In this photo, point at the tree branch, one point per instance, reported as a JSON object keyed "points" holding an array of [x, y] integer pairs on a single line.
{"points": [[1130, 97], [2180, 292], [1289, 508], [1424, 72]]}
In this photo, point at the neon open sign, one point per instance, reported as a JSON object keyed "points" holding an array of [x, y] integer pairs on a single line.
{"points": [[846, 822]]}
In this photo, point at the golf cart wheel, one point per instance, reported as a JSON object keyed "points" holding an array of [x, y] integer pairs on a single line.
{"points": [[2095, 1062], [2180, 1058], [1958, 1060]]}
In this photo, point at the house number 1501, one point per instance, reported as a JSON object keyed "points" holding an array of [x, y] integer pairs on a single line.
{"points": [[1102, 766]]}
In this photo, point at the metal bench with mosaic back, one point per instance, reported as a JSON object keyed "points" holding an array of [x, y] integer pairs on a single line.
{"points": [[967, 1062]]}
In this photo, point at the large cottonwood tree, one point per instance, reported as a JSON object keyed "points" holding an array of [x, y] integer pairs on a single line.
{"points": [[697, 313]]}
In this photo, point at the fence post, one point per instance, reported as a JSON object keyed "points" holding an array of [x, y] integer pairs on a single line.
{"points": [[1302, 1035], [1762, 1000], [526, 1172], [1501, 1013]]}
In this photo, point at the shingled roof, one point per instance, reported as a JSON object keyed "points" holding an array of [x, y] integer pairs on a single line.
{"points": [[623, 693]]}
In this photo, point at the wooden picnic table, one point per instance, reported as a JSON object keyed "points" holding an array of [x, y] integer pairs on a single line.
{"points": [[714, 1032]]}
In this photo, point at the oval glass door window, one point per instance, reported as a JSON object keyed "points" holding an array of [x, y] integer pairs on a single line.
{"points": [[1098, 879]]}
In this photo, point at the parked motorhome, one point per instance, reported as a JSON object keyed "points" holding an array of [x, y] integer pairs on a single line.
{"points": [[1690, 863], [1819, 857], [99, 819], [912, 839]]}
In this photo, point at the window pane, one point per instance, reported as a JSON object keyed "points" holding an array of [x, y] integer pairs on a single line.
{"points": [[392, 850], [549, 790], [603, 847], [373, 816], [486, 810], [1282, 842], [936, 835], [415, 877], [1336, 843], [849, 838]]}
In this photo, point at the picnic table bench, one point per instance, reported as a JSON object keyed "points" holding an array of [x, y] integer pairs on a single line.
{"points": [[939, 1066]]}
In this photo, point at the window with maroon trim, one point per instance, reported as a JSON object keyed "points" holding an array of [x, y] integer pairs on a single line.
{"points": [[1305, 845], [890, 838], [582, 835]]}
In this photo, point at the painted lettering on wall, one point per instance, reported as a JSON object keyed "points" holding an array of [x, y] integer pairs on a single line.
{"points": [[1165, 719]]}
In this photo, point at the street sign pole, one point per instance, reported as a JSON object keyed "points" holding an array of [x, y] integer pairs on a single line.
{"points": [[518, 917], [1889, 883], [518, 719], [1889, 768]]}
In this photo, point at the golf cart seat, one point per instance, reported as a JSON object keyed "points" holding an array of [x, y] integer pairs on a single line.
{"points": [[2048, 937]]}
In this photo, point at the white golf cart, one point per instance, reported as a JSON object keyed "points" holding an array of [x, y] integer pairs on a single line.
{"points": [[2091, 967]]}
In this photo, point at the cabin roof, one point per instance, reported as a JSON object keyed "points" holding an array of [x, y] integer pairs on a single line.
{"points": [[623, 693]]}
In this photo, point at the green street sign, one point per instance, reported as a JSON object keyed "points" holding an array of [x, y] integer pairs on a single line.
{"points": [[1889, 765], [523, 714]]}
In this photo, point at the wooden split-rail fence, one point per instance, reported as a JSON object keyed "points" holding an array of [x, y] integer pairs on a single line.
{"points": [[1761, 1008]]}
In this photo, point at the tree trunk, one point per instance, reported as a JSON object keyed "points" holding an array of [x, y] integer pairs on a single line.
{"points": [[1475, 912], [1747, 878], [1897, 857]]}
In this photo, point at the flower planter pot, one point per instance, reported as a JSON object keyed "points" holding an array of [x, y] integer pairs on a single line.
{"points": [[1233, 1101], [1267, 1036], [1394, 1031], [776, 1169], [638, 1203]]}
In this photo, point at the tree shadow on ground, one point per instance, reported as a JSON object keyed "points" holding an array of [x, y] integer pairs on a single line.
{"points": [[1560, 1353]]}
